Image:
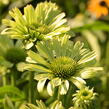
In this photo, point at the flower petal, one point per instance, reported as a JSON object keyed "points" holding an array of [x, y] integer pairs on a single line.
{"points": [[90, 72], [52, 84], [43, 76], [87, 57], [63, 88], [40, 85], [57, 105], [50, 89], [36, 57], [40, 104], [56, 81], [79, 82], [31, 67]]}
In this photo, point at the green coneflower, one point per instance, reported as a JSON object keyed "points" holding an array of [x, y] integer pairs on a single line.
{"points": [[10, 53], [85, 99], [60, 61], [43, 22]]}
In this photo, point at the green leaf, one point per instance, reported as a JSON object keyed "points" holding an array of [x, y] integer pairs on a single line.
{"points": [[107, 54], [14, 93], [8, 103], [96, 25], [93, 41]]}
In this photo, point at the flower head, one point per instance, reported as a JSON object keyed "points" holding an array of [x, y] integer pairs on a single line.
{"points": [[60, 61], [43, 22], [98, 8], [85, 99], [10, 53]]}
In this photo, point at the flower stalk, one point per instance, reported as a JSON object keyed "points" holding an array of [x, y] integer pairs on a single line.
{"points": [[13, 79], [31, 90], [4, 79]]}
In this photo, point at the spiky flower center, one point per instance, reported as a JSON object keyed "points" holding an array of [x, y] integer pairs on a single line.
{"points": [[44, 29], [36, 32], [63, 67], [86, 94], [15, 55]]}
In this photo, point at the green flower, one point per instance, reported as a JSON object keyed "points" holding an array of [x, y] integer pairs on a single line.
{"points": [[60, 61], [56, 105], [43, 22], [10, 53], [85, 99]]}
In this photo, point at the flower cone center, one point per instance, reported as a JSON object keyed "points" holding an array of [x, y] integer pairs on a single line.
{"points": [[15, 55], [86, 94], [63, 67], [43, 29]]}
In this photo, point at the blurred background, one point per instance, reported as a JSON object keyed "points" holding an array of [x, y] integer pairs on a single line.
{"points": [[89, 22]]}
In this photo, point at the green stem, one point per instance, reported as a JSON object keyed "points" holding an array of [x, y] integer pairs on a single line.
{"points": [[12, 79], [31, 90], [4, 80], [13, 76], [59, 96], [52, 98], [68, 98]]}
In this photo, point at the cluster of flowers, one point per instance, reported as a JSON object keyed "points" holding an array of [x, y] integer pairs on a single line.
{"points": [[56, 61]]}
